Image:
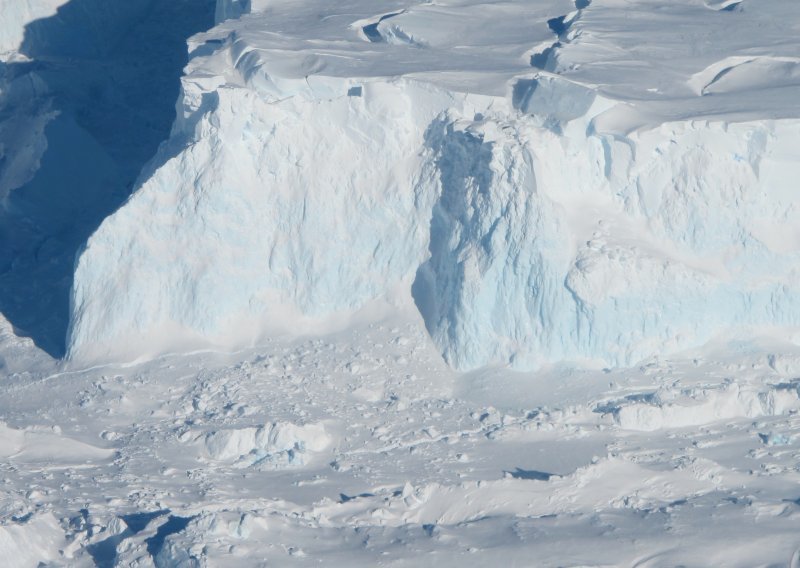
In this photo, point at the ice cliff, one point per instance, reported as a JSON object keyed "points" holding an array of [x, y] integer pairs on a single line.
{"points": [[546, 183], [87, 94]]}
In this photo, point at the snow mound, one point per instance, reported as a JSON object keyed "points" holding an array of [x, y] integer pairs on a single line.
{"points": [[31, 540], [601, 482], [271, 446], [694, 407], [535, 216], [35, 445]]}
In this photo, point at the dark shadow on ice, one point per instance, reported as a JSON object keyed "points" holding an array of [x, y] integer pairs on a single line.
{"points": [[531, 474], [137, 522], [345, 498], [734, 7], [371, 30], [104, 552], [463, 159], [112, 74], [558, 25], [174, 525]]}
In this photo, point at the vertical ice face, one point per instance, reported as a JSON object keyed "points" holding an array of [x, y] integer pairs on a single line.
{"points": [[688, 255], [533, 239], [542, 252], [266, 216], [493, 287], [541, 216]]}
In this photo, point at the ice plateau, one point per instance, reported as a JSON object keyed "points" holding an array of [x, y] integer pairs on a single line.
{"points": [[544, 185]]}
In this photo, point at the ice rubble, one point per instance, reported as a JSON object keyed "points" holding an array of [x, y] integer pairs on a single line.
{"points": [[271, 446], [613, 202], [667, 408]]}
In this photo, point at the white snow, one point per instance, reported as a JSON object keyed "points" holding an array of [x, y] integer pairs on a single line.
{"points": [[32, 542], [361, 446]]}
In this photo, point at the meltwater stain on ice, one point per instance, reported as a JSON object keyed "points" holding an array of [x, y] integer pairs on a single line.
{"points": [[103, 80]]}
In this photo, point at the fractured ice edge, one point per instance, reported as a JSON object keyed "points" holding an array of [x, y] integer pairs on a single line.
{"points": [[595, 206]]}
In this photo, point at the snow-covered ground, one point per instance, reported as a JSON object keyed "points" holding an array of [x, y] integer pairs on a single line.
{"points": [[361, 448], [407, 283]]}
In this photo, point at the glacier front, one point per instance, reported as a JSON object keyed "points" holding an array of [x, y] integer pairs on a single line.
{"points": [[543, 184]]}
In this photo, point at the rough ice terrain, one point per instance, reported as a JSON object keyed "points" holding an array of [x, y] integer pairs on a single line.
{"points": [[399, 283], [362, 448]]}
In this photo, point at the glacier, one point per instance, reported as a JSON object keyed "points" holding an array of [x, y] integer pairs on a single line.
{"points": [[545, 188]]}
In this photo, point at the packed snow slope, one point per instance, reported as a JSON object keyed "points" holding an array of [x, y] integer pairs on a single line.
{"points": [[551, 181]]}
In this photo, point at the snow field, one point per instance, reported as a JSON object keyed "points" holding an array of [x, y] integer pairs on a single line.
{"points": [[346, 447]]}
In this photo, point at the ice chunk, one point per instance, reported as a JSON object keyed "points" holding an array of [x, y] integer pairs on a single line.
{"points": [[277, 444], [775, 439]]}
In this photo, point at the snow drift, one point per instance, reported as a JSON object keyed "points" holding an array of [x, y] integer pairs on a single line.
{"points": [[323, 161]]}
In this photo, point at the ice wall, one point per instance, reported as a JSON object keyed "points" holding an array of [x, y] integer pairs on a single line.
{"points": [[546, 247], [86, 97], [534, 216], [264, 217]]}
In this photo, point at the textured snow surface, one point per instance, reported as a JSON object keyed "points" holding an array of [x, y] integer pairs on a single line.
{"points": [[564, 202], [361, 448]]}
